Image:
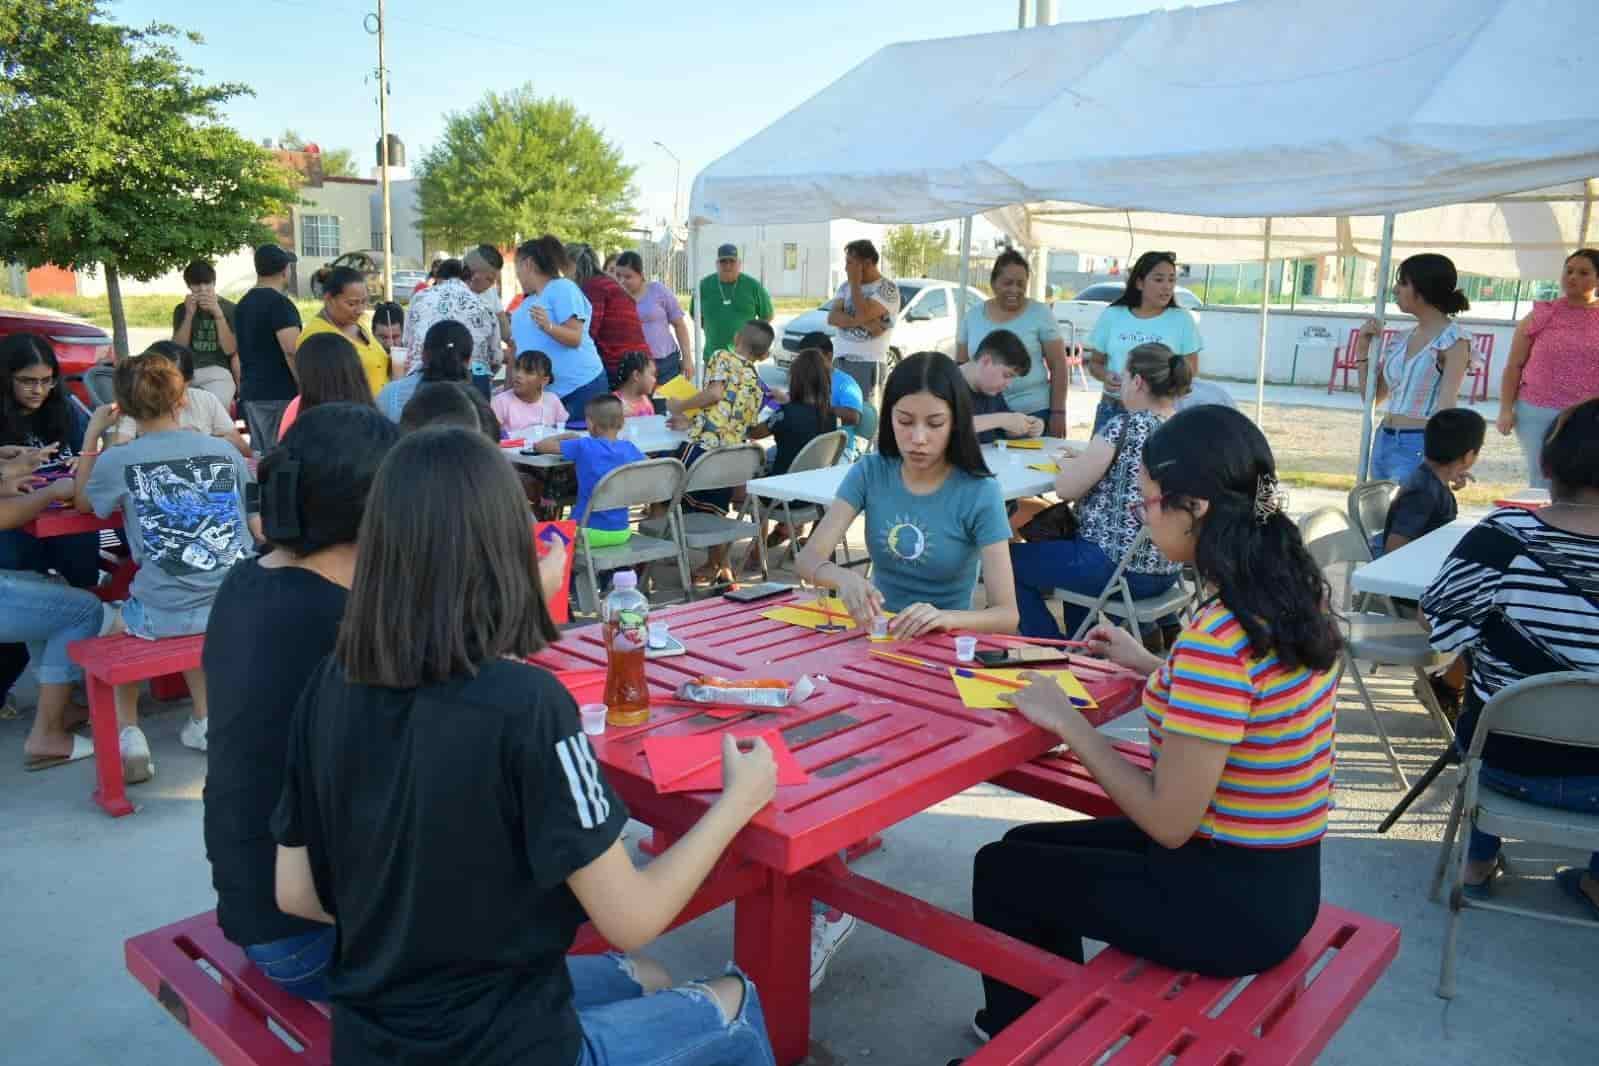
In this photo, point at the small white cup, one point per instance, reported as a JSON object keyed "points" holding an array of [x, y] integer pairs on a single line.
{"points": [[593, 716], [659, 634], [965, 648], [879, 628]]}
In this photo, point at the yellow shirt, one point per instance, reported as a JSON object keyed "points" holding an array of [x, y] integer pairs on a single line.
{"points": [[374, 360]]}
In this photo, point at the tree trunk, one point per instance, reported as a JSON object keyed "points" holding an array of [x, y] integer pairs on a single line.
{"points": [[119, 318]]}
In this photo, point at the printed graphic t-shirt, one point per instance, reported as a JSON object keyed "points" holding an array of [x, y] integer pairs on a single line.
{"points": [[183, 508], [203, 339], [857, 344]]}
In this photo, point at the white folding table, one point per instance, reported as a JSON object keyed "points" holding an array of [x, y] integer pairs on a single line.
{"points": [[1012, 466], [1406, 571]]}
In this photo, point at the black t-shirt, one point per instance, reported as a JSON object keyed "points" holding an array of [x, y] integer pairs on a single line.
{"points": [[1424, 503], [794, 425], [984, 404], [441, 825], [203, 339], [269, 630], [264, 374]]}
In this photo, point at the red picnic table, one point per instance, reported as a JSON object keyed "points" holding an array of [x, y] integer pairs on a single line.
{"points": [[881, 741], [65, 520]]}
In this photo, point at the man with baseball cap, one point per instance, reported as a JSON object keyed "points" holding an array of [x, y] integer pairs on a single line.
{"points": [[268, 334], [728, 299]]}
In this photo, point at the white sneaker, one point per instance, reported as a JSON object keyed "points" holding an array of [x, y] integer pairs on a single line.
{"points": [[193, 733], [137, 765], [826, 938]]}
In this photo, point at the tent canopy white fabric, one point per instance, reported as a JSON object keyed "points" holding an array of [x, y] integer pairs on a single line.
{"points": [[1238, 111]]}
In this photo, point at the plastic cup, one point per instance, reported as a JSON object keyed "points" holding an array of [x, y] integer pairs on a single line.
{"points": [[593, 717], [965, 648], [659, 634], [879, 628]]}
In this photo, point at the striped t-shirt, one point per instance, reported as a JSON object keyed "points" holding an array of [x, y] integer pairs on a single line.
{"points": [[1278, 724]]}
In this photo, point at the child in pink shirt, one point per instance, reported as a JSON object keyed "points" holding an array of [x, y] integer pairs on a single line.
{"points": [[637, 375], [528, 403]]}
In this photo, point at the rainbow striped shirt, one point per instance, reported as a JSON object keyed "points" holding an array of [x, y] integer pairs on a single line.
{"points": [[1277, 723]]}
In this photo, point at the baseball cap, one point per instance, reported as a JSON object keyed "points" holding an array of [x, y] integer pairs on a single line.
{"points": [[273, 259], [727, 251]]}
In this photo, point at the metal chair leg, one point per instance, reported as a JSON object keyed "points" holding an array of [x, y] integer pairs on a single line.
{"points": [[1446, 848], [1382, 732]]}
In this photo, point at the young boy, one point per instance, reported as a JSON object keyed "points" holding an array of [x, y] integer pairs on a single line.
{"points": [[595, 456], [1426, 499], [1000, 360]]}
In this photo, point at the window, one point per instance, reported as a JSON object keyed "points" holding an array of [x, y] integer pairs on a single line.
{"points": [[934, 305], [790, 257], [907, 295], [319, 236]]}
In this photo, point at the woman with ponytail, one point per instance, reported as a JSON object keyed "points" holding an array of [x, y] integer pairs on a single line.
{"points": [[1216, 867], [446, 356], [1420, 370], [344, 299]]}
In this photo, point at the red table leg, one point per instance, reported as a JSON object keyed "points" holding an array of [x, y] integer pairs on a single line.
{"points": [[772, 944], [110, 793]]}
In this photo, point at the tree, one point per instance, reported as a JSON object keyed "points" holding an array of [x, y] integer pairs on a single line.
{"points": [[912, 251], [112, 154], [519, 164], [336, 163]]}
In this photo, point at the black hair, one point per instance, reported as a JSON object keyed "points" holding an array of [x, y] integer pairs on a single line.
{"points": [[760, 335], [199, 272], [440, 403], [1590, 254], [1570, 457], [314, 484], [388, 313], [1133, 294], [809, 383], [1252, 556], [634, 362], [1434, 278], [329, 371], [448, 497], [53, 422], [446, 351], [178, 353], [333, 280], [1453, 433], [1008, 258], [450, 269], [547, 254], [818, 340], [935, 373], [862, 249], [632, 260], [1006, 349], [604, 412], [1166, 373], [537, 362]]}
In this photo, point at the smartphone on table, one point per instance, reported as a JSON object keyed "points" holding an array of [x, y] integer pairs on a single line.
{"points": [[1022, 655]]}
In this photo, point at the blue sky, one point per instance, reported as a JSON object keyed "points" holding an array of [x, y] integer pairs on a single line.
{"points": [[700, 77]]}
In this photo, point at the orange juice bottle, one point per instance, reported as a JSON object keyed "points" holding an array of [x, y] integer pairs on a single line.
{"points": [[626, 617]]}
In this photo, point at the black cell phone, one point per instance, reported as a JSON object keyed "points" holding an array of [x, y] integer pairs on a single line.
{"points": [[1030, 655], [751, 593]]}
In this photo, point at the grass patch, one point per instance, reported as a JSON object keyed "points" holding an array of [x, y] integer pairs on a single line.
{"points": [[1476, 494], [143, 312]]}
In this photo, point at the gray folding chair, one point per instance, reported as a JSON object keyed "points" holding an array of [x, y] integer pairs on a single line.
{"points": [[1368, 507], [823, 451], [1116, 598], [1370, 636], [1558, 708], [719, 468], [633, 485]]}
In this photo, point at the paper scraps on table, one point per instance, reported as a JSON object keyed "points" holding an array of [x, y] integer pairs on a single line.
{"points": [[993, 688], [824, 616], [1048, 468], [693, 763]]}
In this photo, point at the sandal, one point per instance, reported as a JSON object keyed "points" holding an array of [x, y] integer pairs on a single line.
{"points": [[81, 749], [1484, 888], [712, 578], [1570, 882]]}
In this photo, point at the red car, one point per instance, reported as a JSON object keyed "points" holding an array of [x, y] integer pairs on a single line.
{"points": [[77, 345]]}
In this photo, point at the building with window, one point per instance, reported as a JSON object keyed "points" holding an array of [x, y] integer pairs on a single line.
{"points": [[333, 216], [800, 259]]}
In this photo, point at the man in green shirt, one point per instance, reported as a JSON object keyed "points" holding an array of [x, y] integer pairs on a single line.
{"points": [[728, 299], [203, 323]]}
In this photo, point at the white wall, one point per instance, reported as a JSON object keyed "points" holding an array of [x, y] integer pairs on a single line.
{"points": [[818, 253], [235, 273]]}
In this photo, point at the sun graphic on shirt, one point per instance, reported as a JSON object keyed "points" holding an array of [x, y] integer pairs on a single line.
{"points": [[905, 539]]}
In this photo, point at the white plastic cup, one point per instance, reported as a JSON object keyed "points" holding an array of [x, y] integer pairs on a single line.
{"points": [[659, 634], [879, 628], [965, 648], [593, 717]]}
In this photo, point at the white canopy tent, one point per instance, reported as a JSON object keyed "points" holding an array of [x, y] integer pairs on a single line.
{"points": [[1357, 109]]}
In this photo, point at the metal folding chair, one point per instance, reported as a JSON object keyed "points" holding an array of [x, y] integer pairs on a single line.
{"points": [[634, 485]]}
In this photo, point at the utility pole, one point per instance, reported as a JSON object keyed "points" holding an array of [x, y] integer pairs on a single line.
{"points": [[383, 156], [677, 182]]}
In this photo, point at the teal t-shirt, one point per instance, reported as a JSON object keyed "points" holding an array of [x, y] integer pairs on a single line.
{"points": [[1034, 327], [1119, 331], [925, 549], [725, 308]]}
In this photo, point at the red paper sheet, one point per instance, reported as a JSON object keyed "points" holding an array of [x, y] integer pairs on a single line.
{"points": [[693, 763]]}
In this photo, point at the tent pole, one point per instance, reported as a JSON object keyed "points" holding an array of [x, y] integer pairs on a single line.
{"points": [[1265, 308], [694, 294], [1369, 401], [966, 278], [1587, 213]]}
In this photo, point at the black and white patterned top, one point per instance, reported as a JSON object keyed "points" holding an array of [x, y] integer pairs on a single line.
{"points": [[1105, 515], [1522, 598]]}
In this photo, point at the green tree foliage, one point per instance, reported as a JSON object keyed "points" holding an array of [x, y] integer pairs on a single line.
{"points": [[519, 164], [112, 153], [912, 251]]}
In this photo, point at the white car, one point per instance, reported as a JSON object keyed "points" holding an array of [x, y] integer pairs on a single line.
{"points": [[1076, 317], [926, 320]]}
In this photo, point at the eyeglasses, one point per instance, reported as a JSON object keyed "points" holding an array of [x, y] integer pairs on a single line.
{"points": [[35, 384], [1139, 508]]}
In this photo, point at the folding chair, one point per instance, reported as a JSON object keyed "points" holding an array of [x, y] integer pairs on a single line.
{"points": [[1368, 507], [1554, 708], [1116, 598], [862, 437], [719, 468], [822, 451], [633, 485], [1370, 636]]}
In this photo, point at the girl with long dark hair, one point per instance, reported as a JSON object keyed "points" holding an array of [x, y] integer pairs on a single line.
{"points": [[1145, 313], [1216, 867], [330, 371]]}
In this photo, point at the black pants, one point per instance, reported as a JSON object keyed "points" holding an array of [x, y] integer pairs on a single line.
{"points": [[1216, 909]]}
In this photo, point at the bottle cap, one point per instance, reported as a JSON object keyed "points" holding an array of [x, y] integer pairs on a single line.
{"points": [[624, 579]]}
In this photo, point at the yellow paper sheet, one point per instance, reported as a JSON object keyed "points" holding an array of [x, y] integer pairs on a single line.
{"points": [[808, 614], [679, 388], [1048, 468], [975, 692], [1024, 443]]}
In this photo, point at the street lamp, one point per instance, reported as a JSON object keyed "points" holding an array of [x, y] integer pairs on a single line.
{"points": [[677, 180]]}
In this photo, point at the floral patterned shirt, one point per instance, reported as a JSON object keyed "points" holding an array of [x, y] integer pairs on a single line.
{"points": [[728, 422], [1105, 515], [447, 301]]}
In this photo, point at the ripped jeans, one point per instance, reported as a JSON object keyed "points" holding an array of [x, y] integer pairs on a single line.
{"points": [[683, 1025]]}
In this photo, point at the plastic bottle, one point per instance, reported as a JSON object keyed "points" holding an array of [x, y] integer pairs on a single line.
{"points": [[626, 616]]}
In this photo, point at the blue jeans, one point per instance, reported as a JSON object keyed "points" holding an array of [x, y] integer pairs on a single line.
{"points": [[1579, 794], [1109, 407], [668, 367], [1076, 565], [681, 1026], [578, 399], [147, 624], [297, 964], [48, 616], [1396, 453], [1532, 423]]}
